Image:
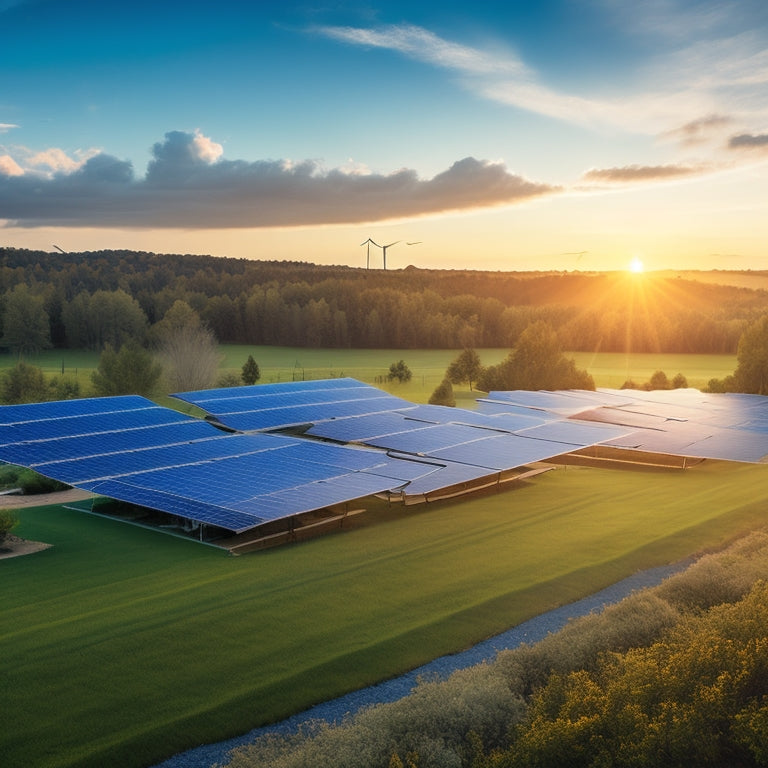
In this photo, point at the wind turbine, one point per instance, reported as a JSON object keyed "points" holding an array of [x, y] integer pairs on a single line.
{"points": [[384, 249], [368, 254]]}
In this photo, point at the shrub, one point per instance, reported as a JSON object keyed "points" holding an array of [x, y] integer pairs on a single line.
{"points": [[8, 520], [32, 483], [399, 371], [443, 394]]}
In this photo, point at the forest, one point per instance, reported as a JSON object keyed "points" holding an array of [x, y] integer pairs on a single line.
{"points": [[87, 300]]}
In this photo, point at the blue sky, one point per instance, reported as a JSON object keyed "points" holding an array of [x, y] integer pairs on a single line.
{"points": [[553, 135]]}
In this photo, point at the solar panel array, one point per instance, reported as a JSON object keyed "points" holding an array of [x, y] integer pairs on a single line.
{"points": [[682, 422], [464, 445], [355, 441], [133, 450]]}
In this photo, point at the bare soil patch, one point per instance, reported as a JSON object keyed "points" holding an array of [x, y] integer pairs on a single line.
{"points": [[13, 546]]}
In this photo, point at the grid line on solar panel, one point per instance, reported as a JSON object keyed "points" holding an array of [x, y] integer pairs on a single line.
{"points": [[66, 448], [160, 458], [233, 520], [427, 439], [13, 414], [501, 452], [91, 424], [311, 397], [297, 415], [221, 393]]}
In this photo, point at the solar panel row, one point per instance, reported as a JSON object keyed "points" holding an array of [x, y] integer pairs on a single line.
{"points": [[131, 449], [683, 422]]}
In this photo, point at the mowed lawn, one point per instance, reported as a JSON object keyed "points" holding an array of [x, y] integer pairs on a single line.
{"points": [[280, 364], [120, 646]]}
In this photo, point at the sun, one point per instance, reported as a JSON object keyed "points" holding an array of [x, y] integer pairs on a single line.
{"points": [[636, 265]]}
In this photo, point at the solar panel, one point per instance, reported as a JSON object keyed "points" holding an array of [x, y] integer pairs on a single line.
{"points": [[279, 406], [501, 453]]}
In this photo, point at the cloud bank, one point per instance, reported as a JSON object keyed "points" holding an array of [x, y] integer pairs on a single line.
{"points": [[189, 185]]}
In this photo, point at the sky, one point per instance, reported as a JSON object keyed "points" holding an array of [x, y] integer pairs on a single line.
{"points": [[558, 134]]}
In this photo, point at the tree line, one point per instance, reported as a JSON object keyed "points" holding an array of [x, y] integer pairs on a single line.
{"points": [[88, 300]]}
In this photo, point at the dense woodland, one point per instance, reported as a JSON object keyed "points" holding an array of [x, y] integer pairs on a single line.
{"points": [[107, 297]]}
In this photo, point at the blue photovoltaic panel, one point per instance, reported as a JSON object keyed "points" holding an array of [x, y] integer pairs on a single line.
{"points": [[38, 452], [201, 397], [175, 504], [427, 439], [282, 405], [276, 418], [12, 414], [447, 475], [360, 428], [320, 398], [574, 433], [501, 453], [90, 424], [561, 403], [218, 448]]}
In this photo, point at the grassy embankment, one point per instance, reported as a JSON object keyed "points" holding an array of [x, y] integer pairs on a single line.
{"points": [[121, 646], [428, 366]]}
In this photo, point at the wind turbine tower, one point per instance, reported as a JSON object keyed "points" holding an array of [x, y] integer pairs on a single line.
{"points": [[368, 242]]}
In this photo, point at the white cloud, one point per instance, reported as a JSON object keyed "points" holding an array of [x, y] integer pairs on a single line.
{"points": [[5, 127], [184, 188], [423, 45], [205, 149], [702, 72], [9, 167]]}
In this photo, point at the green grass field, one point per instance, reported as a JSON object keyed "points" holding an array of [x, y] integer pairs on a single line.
{"points": [[121, 646], [279, 364]]}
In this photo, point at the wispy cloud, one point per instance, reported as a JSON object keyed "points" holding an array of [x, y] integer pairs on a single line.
{"points": [[5, 127], [699, 70], [189, 185], [749, 141], [637, 173], [696, 132]]}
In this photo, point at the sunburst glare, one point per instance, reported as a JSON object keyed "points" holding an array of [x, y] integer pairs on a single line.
{"points": [[636, 265]]}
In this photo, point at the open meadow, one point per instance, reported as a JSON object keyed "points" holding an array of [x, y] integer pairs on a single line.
{"points": [[278, 364], [122, 646]]}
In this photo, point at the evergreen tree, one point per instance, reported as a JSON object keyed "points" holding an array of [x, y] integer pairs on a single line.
{"points": [[443, 394], [251, 373]]}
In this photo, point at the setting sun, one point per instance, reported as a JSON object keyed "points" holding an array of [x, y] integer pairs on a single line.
{"points": [[636, 265]]}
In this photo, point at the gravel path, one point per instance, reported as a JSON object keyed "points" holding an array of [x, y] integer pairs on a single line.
{"points": [[391, 690]]}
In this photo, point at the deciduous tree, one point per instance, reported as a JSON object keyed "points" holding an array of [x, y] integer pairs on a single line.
{"points": [[465, 368], [26, 326], [24, 383], [129, 371], [399, 371], [191, 358]]}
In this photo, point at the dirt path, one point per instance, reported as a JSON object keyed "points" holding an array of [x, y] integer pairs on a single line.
{"points": [[13, 501], [13, 546]]}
